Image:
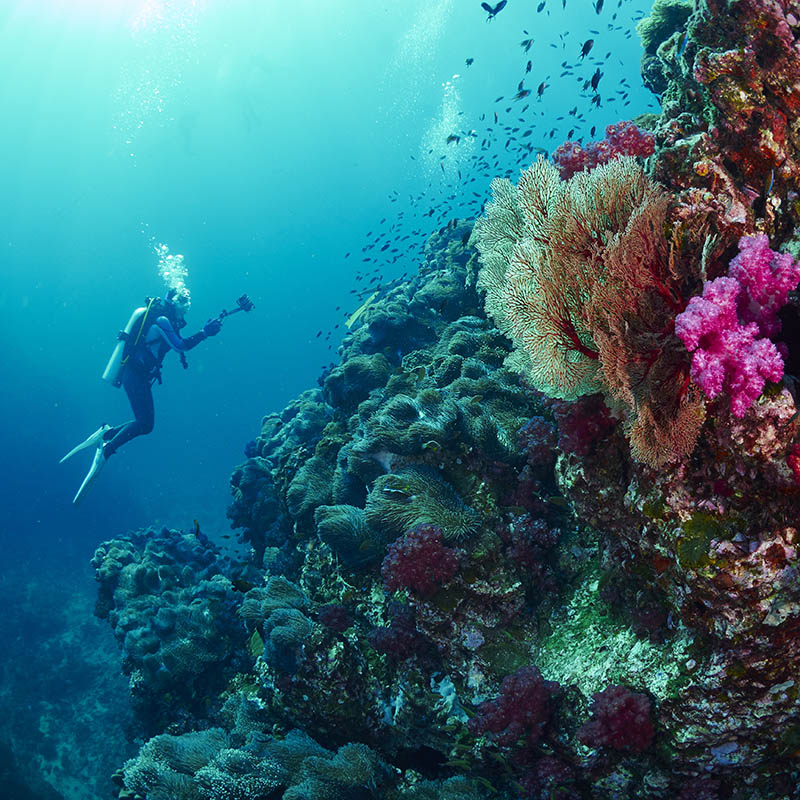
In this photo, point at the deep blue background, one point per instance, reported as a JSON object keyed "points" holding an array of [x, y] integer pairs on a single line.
{"points": [[261, 140]]}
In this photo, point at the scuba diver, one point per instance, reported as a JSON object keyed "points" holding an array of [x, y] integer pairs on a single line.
{"points": [[151, 333]]}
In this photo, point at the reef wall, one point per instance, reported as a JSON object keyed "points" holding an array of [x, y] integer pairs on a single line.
{"points": [[545, 548]]}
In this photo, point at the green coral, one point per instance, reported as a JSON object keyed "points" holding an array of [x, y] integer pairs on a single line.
{"points": [[666, 17], [351, 382], [457, 788], [310, 487], [278, 593], [695, 537], [416, 495], [345, 530], [165, 766], [203, 765], [355, 766]]}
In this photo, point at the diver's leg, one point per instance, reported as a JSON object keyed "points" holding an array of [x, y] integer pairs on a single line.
{"points": [[137, 386]]}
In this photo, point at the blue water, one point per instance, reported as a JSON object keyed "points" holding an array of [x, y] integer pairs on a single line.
{"points": [[263, 141]]}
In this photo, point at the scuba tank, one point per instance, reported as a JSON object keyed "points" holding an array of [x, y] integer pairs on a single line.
{"points": [[127, 341]]}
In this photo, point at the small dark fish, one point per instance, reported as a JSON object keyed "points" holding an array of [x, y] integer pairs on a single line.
{"points": [[596, 78], [453, 137], [540, 7], [558, 501], [526, 44], [197, 529], [521, 94], [493, 12], [540, 90], [528, 67], [587, 47], [470, 61], [593, 130], [598, 6], [241, 585], [319, 333], [596, 100]]}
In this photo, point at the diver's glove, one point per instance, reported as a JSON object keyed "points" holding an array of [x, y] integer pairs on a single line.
{"points": [[212, 327]]}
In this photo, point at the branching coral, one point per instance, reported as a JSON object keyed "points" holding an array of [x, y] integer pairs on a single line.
{"points": [[581, 278]]}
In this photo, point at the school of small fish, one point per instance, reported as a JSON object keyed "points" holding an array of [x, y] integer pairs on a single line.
{"points": [[510, 139]]}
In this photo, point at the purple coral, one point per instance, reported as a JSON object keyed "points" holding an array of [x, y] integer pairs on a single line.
{"points": [[620, 719], [726, 328], [537, 437], [335, 617], [520, 712], [622, 139], [400, 639], [418, 561], [767, 278], [582, 423]]}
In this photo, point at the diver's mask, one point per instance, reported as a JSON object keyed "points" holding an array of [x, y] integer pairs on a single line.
{"points": [[179, 301]]}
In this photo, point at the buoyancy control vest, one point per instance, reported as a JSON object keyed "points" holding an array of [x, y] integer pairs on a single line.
{"points": [[131, 347]]}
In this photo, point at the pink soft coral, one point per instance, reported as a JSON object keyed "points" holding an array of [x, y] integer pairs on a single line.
{"points": [[767, 278], [726, 328]]}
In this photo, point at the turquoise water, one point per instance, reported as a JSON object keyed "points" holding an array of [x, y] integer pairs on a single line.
{"points": [[263, 141]]}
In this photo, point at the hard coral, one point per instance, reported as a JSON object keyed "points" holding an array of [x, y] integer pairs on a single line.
{"points": [[620, 719], [419, 562]]}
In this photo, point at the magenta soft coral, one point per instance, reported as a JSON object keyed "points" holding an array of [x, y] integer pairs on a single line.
{"points": [[520, 712], [418, 561], [727, 327], [620, 720], [767, 278], [622, 139]]}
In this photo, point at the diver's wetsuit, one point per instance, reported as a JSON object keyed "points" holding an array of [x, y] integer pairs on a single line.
{"points": [[142, 368]]}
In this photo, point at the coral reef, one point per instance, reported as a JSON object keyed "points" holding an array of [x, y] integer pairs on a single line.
{"points": [[549, 549], [622, 139], [173, 612]]}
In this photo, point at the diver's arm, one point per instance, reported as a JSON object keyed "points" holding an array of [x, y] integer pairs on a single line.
{"points": [[174, 339]]}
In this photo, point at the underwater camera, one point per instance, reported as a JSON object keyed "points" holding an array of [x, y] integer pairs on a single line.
{"points": [[243, 303]]}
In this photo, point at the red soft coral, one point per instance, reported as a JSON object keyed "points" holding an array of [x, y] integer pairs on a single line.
{"points": [[418, 561], [622, 139], [620, 719], [521, 710]]}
